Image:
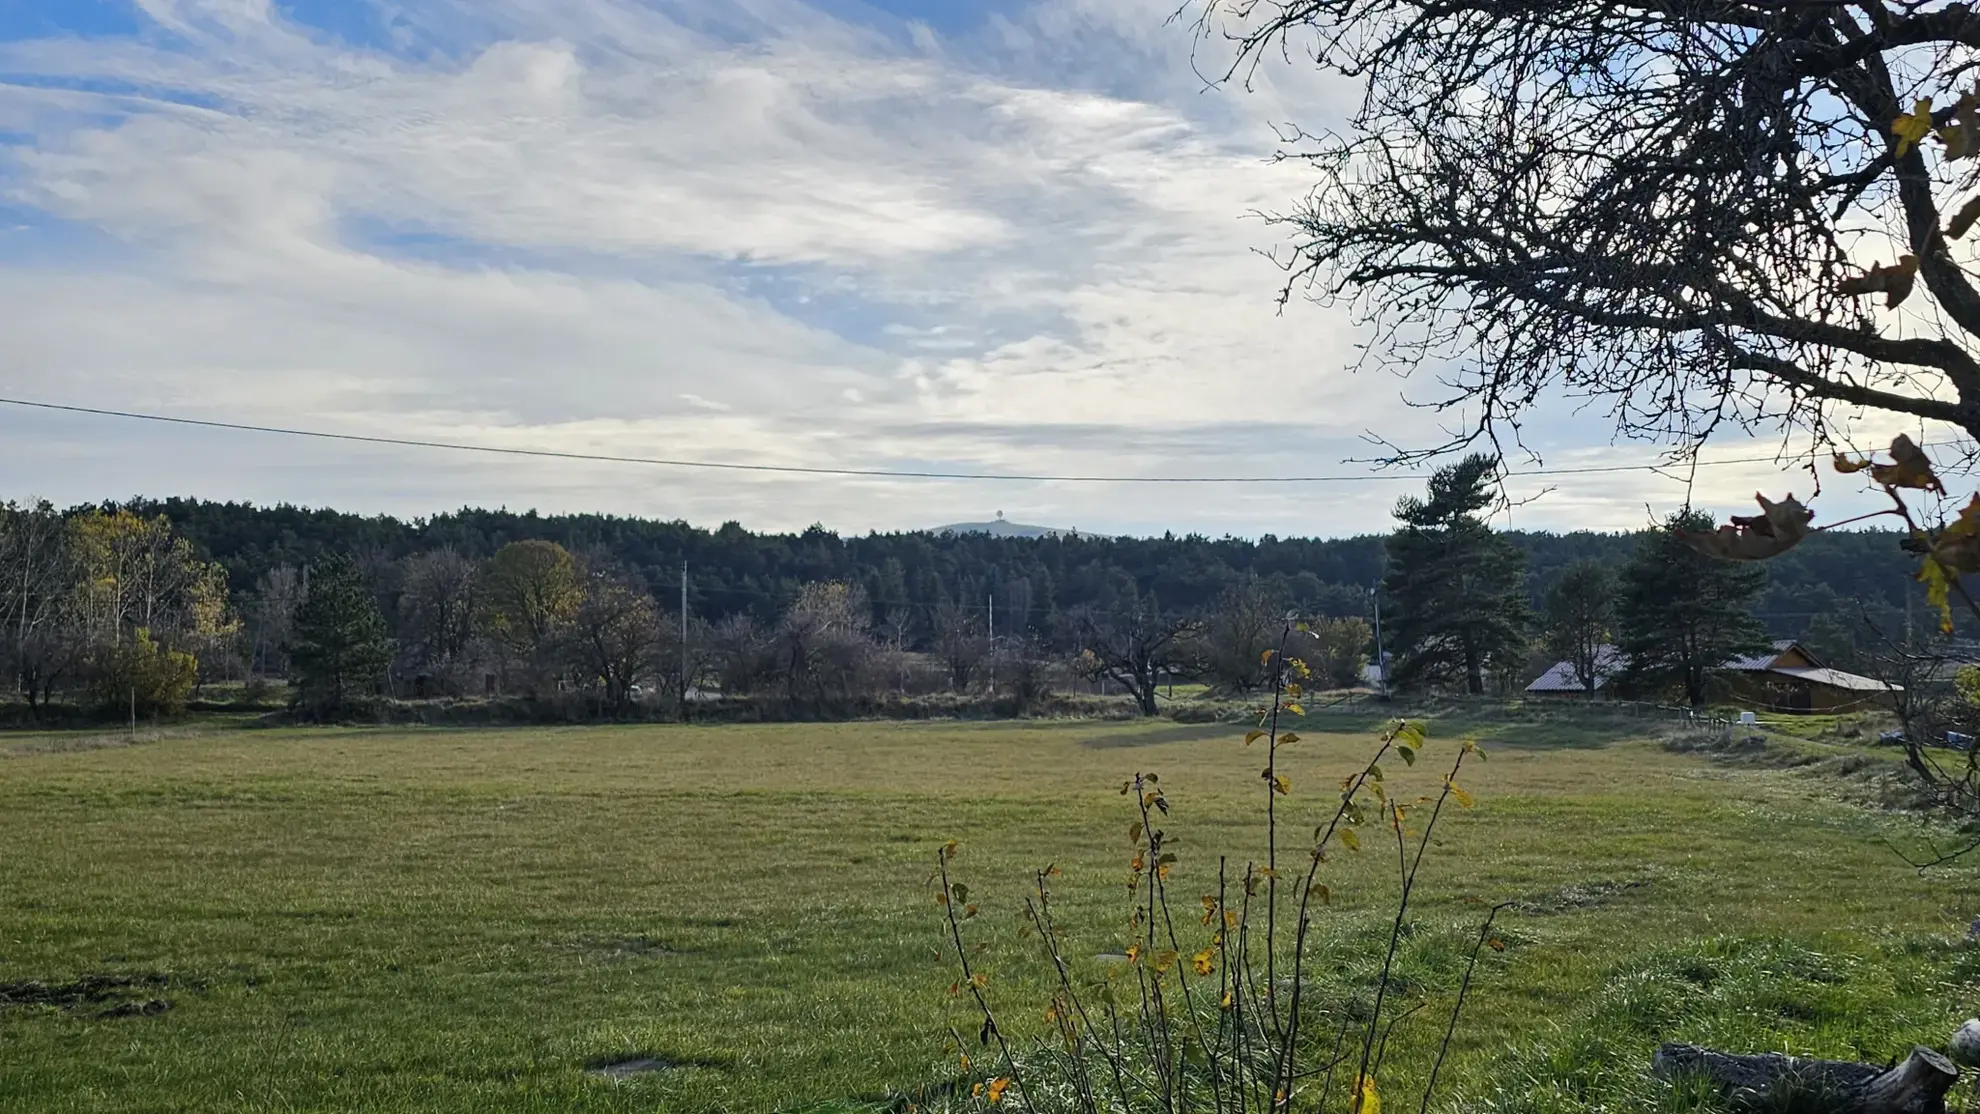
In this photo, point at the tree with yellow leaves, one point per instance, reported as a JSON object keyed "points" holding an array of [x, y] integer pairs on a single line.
{"points": [[528, 594], [135, 573]]}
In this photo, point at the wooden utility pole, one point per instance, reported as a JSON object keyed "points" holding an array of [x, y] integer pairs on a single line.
{"points": [[1381, 664], [684, 642], [993, 638]]}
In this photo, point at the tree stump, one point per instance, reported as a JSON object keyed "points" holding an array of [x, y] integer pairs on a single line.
{"points": [[1916, 1086]]}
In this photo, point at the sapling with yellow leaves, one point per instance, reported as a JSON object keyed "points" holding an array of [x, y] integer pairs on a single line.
{"points": [[1204, 1009]]}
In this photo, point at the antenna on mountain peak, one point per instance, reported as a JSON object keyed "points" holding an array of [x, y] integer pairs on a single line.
{"points": [[1000, 516]]}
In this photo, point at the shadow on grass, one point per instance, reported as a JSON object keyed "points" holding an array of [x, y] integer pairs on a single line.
{"points": [[1165, 733], [1520, 726], [1545, 728]]}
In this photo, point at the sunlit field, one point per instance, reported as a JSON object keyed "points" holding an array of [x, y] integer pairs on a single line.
{"points": [[430, 920]]}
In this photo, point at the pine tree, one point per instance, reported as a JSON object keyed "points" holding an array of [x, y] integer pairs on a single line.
{"points": [[339, 651], [1681, 614], [1576, 618], [1455, 592]]}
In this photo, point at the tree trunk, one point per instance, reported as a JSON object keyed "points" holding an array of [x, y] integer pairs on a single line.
{"points": [[1918, 1085]]}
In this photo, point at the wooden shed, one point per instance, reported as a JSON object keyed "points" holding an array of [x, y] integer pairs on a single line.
{"points": [[1786, 678], [1789, 679]]}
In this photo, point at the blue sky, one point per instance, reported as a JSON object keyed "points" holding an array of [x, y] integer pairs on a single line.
{"points": [[997, 235]]}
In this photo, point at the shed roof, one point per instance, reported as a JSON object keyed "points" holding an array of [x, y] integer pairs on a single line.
{"points": [[1561, 676], [1836, 678], [1758, 662]]}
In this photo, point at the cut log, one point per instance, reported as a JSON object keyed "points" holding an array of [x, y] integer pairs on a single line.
{"points": [[1964, 1048], [1916, 1086]]}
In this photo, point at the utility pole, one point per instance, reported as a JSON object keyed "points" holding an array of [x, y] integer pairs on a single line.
{"points": [[1381, 662], [684, 642], [993, 636]]}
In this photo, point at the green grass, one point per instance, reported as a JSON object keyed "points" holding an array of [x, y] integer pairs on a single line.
{"points": [[464, 920]]}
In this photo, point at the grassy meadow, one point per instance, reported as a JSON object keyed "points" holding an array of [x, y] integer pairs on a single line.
{"points": [[219, 919]]}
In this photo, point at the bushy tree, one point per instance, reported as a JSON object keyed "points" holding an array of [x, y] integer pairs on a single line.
{"points": [[1680, 614], [1578, 617], [824, 645], [529, 592], [618, 635], [1456, 596], [340, 653], [1335, 650], [140, 677], [683, 665], [1023, 671], [1246, 621]]}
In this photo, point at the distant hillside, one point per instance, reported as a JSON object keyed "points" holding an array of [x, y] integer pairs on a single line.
{"points": [[1003, 528]]}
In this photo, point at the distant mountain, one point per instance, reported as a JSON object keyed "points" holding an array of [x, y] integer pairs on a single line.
{"points": [[1001, 527]]}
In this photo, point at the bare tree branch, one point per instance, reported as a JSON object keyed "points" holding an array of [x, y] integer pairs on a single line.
{"points": [[1650, 206]]}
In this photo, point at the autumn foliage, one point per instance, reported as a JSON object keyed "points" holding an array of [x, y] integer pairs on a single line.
{"points": [[1203, 1010]]}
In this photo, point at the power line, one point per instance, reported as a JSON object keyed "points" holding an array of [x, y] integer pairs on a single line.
{"points": [[794, 469]]}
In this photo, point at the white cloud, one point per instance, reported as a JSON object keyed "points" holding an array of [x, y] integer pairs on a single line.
{"points": [[742, 232]]}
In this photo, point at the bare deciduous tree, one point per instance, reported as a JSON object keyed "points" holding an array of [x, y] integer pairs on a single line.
{"points": [[1132, 644], [745, 656], [960, 642], [272, 617], [436, 613], [1024, 672], [34, 591], [1667, 208]]}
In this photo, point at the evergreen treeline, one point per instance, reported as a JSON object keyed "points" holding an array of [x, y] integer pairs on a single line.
{"points": [[133, 606], [735, 571]]}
